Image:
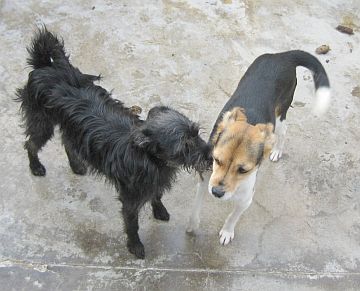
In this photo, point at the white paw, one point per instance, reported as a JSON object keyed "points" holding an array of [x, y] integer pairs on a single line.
{"points": [[193, 225], [226, 236], [275, 155]]}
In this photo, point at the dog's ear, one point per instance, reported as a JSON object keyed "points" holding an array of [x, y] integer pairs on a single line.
{"points": [[194, 130], [267, 131], [140, 139], [235, 115], [219, 129]]}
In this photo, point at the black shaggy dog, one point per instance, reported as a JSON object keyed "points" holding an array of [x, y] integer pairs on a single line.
{"points": [[140, 158]]}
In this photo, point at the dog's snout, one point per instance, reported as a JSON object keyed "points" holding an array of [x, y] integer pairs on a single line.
{"points": [[218, 191]]}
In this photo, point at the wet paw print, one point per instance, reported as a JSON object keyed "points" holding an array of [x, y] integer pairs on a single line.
{"points": [[129, 49], [144, 18]]}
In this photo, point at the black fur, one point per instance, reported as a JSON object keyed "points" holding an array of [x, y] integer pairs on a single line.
{"points": [[140, 158]]}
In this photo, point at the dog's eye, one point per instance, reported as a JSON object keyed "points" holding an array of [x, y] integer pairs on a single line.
{"points": [[217, 161], [241, 170]]}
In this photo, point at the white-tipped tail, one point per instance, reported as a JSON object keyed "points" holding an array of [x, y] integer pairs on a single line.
{"points": [[322, 100]]}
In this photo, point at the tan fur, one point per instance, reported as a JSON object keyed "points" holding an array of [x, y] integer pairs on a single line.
{"points": [[238, 144]]}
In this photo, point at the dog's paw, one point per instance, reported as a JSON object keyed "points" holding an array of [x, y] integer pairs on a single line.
{"points": [[38, 170], [79, 170], [275, 155], [137, 249], [193, 225], [226, 236], [160, 212]]}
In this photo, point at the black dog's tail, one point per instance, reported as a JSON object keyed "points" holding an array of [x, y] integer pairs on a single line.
{"points": [[321, 80], [45, 48]]}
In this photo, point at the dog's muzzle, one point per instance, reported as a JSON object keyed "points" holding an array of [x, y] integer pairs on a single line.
{"points": [[218, 191]]}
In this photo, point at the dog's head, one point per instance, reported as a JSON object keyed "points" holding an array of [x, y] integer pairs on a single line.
{"points": [[173, 138], [238, 149]]}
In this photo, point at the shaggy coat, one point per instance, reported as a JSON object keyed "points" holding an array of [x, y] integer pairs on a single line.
{"points": [[140, 158]]}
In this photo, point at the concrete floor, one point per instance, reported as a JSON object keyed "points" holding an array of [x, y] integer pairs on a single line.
{"points": [[64, 232]]}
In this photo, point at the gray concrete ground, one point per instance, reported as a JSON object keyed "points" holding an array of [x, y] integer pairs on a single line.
{"points": [[64, 232]]}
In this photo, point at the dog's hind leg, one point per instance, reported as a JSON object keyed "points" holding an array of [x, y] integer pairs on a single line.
{"points": [[77, 165], [39, 133], [202, 188], [280, 123], [280, 131], [159, 210], [130, 214]]}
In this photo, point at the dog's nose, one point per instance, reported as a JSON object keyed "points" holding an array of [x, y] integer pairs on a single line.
{"points": [[218, 191]]}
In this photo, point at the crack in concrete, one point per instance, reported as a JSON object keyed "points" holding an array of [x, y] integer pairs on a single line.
{"points": [[199, 255], [263, 208], [139, 89], [220, 87], [40, 267], [261, 237]]}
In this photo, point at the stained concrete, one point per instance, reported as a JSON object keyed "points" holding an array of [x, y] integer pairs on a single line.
{"points": [[64, 232]]}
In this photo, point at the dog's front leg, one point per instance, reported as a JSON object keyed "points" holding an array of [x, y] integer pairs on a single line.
{"points": [[202, 188], [159, 210], [131, 220], [227, 232]]}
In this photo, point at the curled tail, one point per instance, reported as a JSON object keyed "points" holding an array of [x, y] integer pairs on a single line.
{"points": [[45, 48], [321, 80]]}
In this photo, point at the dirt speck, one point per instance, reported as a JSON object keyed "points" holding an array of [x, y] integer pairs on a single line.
{"points": [[135, 109], [356, 91]]}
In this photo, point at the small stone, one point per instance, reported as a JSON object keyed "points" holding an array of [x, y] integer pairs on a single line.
{"points": [[327, 61], [299, 104], [356, 91], [93, 8], [323, 49], [345, 29]]}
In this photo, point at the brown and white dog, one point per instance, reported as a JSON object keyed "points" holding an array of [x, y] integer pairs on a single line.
{"points": [[251, 127]]}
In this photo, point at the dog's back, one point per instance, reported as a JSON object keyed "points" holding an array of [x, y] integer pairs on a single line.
{"points": [[91, 125], [269, 83]]}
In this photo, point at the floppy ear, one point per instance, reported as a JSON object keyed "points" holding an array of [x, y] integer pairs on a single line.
{"points": [[236, 114], [194, 130], [140, 139], [267, 130], [219, 130]]}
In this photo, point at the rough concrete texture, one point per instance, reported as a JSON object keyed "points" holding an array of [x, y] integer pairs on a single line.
{"points": [[64, 232]]}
